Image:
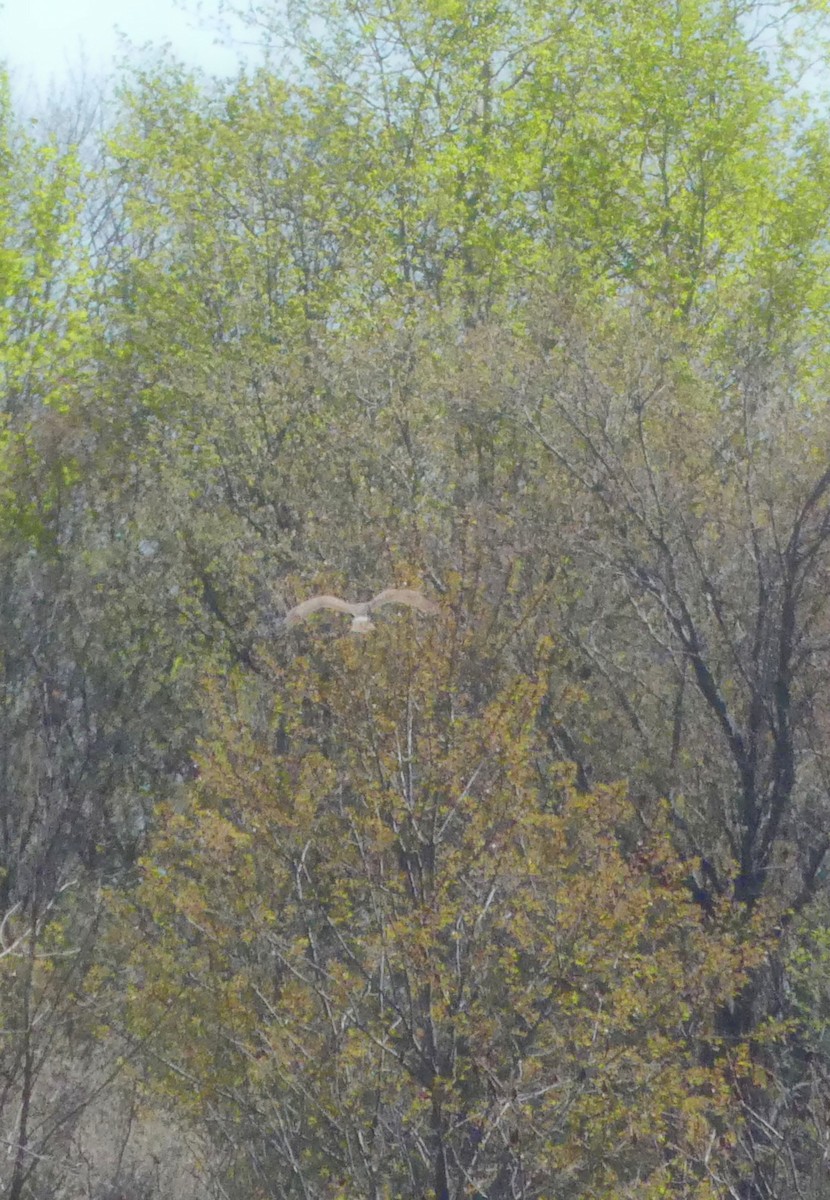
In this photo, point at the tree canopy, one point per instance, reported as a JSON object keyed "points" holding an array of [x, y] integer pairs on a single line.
{"points": [[524, 306]]}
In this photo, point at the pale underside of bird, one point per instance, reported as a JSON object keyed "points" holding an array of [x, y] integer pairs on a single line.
{"points": [[361, 613]]}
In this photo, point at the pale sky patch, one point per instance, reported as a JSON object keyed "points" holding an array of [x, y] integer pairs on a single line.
{"points": [[43, 43]]}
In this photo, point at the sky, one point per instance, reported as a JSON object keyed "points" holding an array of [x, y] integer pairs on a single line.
{"points": [[43, 42]]}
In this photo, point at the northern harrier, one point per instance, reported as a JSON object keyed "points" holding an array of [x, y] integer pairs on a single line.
{"points": [[360, 613]]}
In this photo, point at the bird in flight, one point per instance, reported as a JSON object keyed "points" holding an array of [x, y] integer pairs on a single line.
{"points": [[361, 613]]}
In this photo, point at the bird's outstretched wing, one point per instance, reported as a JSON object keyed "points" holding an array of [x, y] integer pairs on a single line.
{"points": [[404, 596], [300, 611]]}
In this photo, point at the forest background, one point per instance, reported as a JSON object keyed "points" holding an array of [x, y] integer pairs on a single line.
{"points": [[524, 304]]}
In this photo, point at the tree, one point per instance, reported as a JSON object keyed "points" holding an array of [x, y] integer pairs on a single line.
{"points": [[404, 956], [81, 733], [704, 516]]}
